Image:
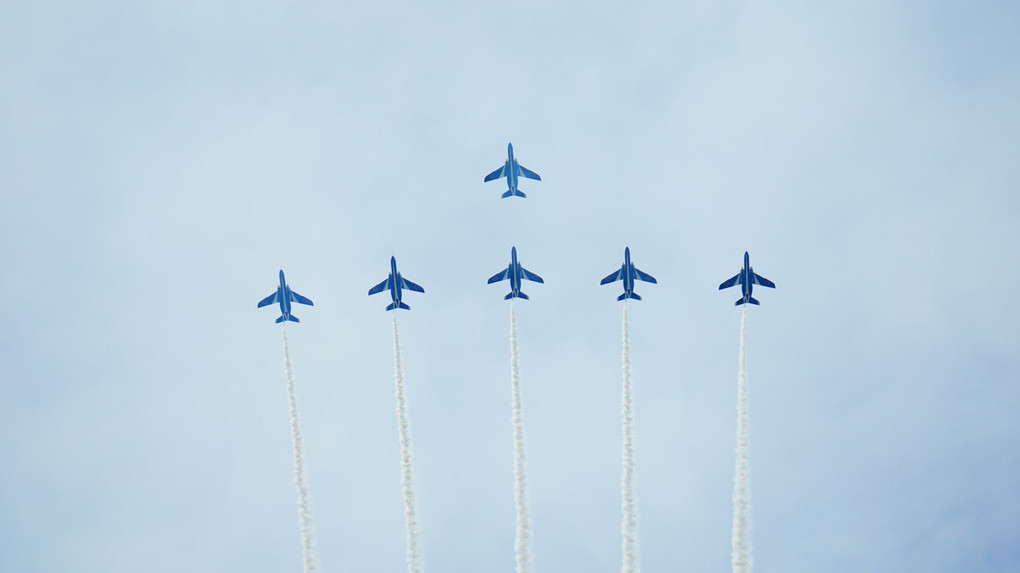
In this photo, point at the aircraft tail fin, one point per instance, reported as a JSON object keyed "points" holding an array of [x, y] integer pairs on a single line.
{"points": [[514, 193], [632, 295], [283, 318], [394, 305], [519, 294], [749, 299]]}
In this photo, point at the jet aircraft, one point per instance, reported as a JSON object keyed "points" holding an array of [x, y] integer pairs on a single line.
{"points": [[515, 272], [747, 279], [395, 283], [512, 171], [628, 272], [284, 296]]}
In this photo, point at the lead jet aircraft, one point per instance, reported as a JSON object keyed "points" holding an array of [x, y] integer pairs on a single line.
{"points": [[285, 296], [512, 171], [515, 272], [747, 279], [628, 272], [395, 283]]}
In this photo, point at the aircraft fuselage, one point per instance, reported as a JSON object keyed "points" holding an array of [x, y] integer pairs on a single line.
{"points": [[515, 267], [284, 296], [511, 168], [628, 272], [747, 278], [395, 290]]}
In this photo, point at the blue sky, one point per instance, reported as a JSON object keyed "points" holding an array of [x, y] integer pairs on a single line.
{"points": [[160, 162]]}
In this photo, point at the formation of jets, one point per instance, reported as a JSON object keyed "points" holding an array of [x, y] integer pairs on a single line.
{"points": [[515, 273]]}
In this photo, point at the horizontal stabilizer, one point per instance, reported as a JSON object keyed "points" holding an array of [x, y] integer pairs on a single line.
{"points": [[293, 318], [394, 305], [513, 193], [632, 295], [749, 299], [281, 319]]}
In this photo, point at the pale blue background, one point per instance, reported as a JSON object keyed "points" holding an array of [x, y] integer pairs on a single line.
{"points": [[160, 162]]}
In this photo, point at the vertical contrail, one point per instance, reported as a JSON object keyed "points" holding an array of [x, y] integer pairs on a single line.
{"points": [[304, 506], [629, 527], [522, 550], [742, 467], [404, 429]]}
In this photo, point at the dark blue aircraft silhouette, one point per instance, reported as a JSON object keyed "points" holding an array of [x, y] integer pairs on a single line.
{"points": [[512, 171], [628, 272], [515, 272], [285, 296], [747, 279], [395, 283]]}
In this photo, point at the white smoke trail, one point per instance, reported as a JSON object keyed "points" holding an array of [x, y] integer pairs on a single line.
{"points": [[404, 429], [304, 506], [629, 528], [522, 550], [741, 555]]}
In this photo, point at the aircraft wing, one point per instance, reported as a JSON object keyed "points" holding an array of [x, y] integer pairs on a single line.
{"points": [[730, 282], [531, 276], [528, 173], [301, 299], [496, 174], [268, 300], [500, 276], [644, 276], [760, 280], [410, 285], [613, 277], [380, 287]]}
